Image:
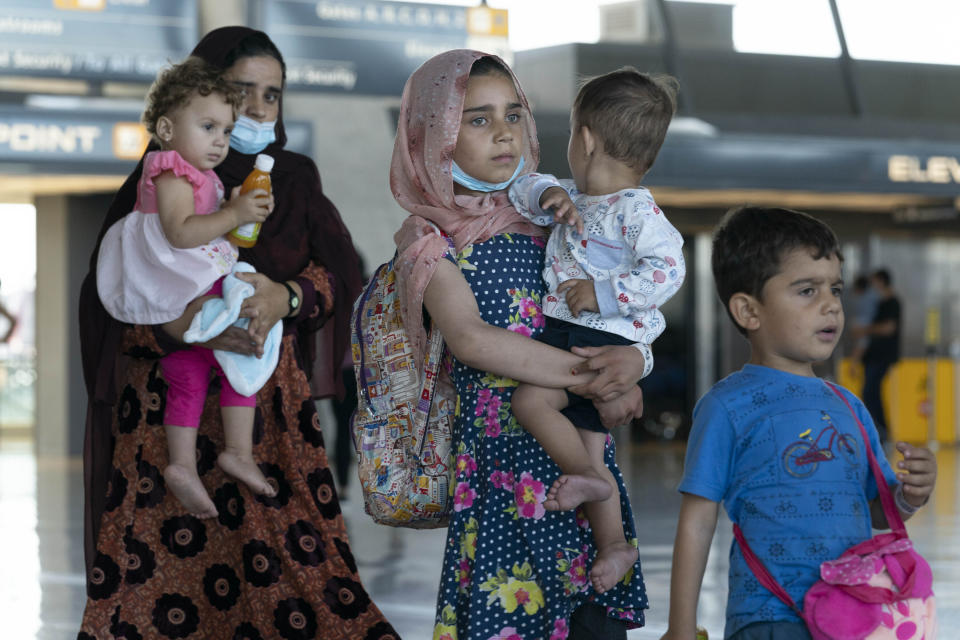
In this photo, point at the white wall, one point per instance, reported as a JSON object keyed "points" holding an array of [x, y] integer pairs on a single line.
{"points": [[353, 143]]}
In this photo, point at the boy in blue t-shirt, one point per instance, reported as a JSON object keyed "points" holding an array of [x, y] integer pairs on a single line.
{"points": [[772, 441]]}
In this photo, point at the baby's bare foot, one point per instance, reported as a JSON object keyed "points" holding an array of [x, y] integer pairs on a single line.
{"points": [[245, 470], [189, 490], [611, 564], [570, 491]]}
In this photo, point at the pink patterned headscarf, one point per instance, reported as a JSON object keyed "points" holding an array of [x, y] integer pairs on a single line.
{"points": [[427, 131]]}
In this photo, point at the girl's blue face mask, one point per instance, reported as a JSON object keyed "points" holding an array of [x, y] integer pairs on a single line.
{"points": [[250, 136], [473, 184]]}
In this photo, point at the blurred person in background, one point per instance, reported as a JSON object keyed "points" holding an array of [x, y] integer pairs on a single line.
{"points": [[863, 306], [343, 408], [883, 346], [11, 319], [12, 324]]}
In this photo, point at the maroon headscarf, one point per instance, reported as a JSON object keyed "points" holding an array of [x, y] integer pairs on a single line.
{"points": [[304, 226]]}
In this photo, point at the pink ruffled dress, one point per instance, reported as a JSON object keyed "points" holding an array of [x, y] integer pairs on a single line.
{"points": [[141, 277]]}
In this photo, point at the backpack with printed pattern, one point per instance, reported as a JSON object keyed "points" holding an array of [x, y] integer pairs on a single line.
{"points": [[402, 427]]}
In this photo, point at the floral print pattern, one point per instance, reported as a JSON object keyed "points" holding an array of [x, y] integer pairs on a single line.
{"points": [[572, 566], [512, 570], [161, 573], [514, 590]]}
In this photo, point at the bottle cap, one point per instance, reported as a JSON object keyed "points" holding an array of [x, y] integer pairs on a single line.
{"points": [[264, 162]]}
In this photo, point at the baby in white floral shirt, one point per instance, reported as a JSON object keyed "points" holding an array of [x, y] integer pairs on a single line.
{"points": [[606, 279]]}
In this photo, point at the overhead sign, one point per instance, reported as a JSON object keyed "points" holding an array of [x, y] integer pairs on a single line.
{"points": [[807, 163], [119, 40], [360, 46], [26, 135], [942, 169], [484, 21], [56, 141]]}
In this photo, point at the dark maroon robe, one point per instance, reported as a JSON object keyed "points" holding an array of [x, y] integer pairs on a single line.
{"points": [[304, 227]]}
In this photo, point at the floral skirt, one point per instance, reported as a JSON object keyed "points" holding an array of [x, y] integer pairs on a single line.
{"points": [[277, 567]]}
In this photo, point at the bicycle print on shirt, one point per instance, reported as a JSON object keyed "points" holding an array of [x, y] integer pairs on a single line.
{"points": [[802, 458]]}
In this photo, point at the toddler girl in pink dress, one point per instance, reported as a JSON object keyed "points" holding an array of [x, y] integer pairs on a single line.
{"points": [[171, 249]]}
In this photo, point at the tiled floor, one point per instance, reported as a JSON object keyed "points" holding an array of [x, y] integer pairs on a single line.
{"points": [[41, 529]]}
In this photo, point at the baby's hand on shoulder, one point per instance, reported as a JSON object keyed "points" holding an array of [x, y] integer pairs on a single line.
{"points": [[564, 211], [917, 471]]}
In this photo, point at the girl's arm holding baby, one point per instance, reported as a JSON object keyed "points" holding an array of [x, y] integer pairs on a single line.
{"points": [[453, 307]]}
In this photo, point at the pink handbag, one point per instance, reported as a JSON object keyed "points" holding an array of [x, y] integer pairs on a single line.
{"points": [[881, 588]]}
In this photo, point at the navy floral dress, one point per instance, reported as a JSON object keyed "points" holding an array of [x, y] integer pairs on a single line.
{"points": [[511, 570]]}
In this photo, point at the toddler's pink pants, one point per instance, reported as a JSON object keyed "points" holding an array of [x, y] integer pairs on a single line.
{"points": [[187, 373]]}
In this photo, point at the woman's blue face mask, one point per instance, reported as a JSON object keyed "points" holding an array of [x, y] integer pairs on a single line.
{"points": [[250, 136]]}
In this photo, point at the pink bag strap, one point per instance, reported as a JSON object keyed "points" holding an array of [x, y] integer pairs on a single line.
{"points": [[883, 489], [894, 519], [760, 572]]}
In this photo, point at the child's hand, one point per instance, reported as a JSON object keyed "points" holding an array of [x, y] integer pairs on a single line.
{"points": [[581, 296], [267, 306], [564, 211], [253, 206], [622, 409], [233, 339], [917, 471], [619, 368]]}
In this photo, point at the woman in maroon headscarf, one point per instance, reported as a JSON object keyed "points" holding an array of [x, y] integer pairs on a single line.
{"points": [[266, 567]]}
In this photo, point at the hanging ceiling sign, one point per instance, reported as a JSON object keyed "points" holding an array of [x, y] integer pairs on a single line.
{"points": [[56, 140], [106, 40], [828, 164], [942, 169], [53, 136], [360, 46]]}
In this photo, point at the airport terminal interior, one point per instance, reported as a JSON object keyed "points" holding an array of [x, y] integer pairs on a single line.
{"points": [[859, 137]]}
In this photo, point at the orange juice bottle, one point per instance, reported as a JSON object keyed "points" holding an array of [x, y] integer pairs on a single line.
{"points": [[246, 234]]}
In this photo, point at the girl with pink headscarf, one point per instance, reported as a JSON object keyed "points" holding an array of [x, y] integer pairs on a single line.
{"points": [[511, 569]]}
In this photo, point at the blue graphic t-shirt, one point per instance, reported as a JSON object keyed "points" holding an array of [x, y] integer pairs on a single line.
{"points": [[784, 455]]}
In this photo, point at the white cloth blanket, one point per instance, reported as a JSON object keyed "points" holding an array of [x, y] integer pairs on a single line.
{"points": [[246, 373]]}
